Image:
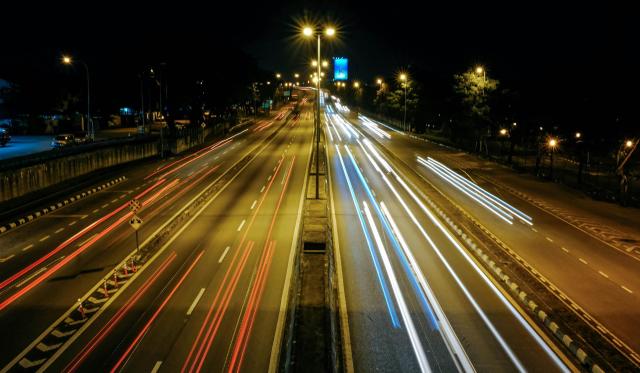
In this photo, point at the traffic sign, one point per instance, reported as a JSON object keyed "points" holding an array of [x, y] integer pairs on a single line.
{"points": [[134, 205], [203, 125], [135, 222]]}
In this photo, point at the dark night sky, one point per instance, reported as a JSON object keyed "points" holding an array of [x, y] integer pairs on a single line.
{"points": [[565, 51]]}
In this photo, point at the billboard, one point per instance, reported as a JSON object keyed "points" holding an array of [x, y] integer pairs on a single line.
{"points": [[340, 68]]}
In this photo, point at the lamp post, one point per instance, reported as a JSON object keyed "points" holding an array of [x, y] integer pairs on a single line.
{"points": [[309, 32], [403, 79], [67, 60], [552, 144]]}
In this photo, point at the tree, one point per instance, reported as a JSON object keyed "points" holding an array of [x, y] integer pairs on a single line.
{"points": [[395, 101], [475, 89]]}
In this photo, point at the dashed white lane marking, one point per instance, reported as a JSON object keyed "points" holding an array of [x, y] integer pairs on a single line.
{"points": [[583, 261], [137, 188], [225, 152], [83, 217], [94, 211], [224, 253], [269, 178], [59, 230], [627, 289], [603, 274], [241, 225], [262, 190], [105, 205], [27, 247], [191, 308], [32, 276], [122, 196], [274, 169], [535, 230], [216, 157], [87, 240], [44, 238], [2, 260], [549, 239], [156, 367], [73, 222], [253, 204], [564, 249], [114, 200]]}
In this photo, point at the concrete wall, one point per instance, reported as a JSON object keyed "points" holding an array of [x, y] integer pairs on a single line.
{"points": [[20, 181]]}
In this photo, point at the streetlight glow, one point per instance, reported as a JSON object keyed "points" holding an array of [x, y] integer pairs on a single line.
{"points": [[325, 63], [403, 77], [628, 143], [314, 63], [66, 60], [503, 131], [307, 31], [278, 75], [330, 31], [379, 81], [578, 135], [479, 70], [553, 143], [296, 75]]}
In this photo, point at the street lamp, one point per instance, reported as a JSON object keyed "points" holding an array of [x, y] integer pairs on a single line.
{"points": [[356, 85], [503, 131], [325, 64], [578, 135], [296, 75], [67, 60], [552, 144], [403, 78], [628, 143], [308, 32], [278, 76]]}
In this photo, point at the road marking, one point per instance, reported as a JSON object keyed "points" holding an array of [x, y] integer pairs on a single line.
{"points": [[122, 196], [87, 240], [83, 216], [105, 205], [564, 249], [94, 211], [44, 238], [603, 274], [241, 225], [253, 204], [191, 308], [262, 190], [269, 178], [535, 230], [224, 253], [274, 169], [156, 367], [627, 289], [115, 199], [583, 261], [549, 239], [31, 277], [7, 258], [27, 247], [73, 222], [59, 230], [216, 157]]}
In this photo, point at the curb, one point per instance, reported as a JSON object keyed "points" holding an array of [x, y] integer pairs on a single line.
{"points": [[33, 216]]}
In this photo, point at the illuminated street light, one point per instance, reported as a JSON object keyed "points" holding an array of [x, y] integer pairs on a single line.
{"points": [[379, 81], [307, 31], [356, 84], [268, 82], [330, 31], [403, 77], [553, 143], [479, 70], [321, 73], [628, 143], [296, 75], [578, 135], [278, 75], [314, 63], [325, 64], [514, 124], [503, 131], [67, 60]]}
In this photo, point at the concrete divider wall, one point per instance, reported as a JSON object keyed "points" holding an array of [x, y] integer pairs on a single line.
{"points": [[20, 181]]}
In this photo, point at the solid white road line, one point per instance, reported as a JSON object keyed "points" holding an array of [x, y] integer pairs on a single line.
{"points": [[195, 302], [226, 250], [241, 225], [262, 190]]}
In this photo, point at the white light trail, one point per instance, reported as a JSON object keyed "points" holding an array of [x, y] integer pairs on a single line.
{"points": [[397, 293]]}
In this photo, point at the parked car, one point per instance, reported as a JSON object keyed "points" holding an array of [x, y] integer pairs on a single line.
{"points": [[4, 137], [82, 138], [62, 141]]}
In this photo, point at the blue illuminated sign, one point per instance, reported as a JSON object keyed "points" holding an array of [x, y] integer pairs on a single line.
{"points": [[340, 68]]}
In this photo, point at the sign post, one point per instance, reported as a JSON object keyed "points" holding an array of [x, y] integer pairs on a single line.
{"points": [[135, 221]]}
